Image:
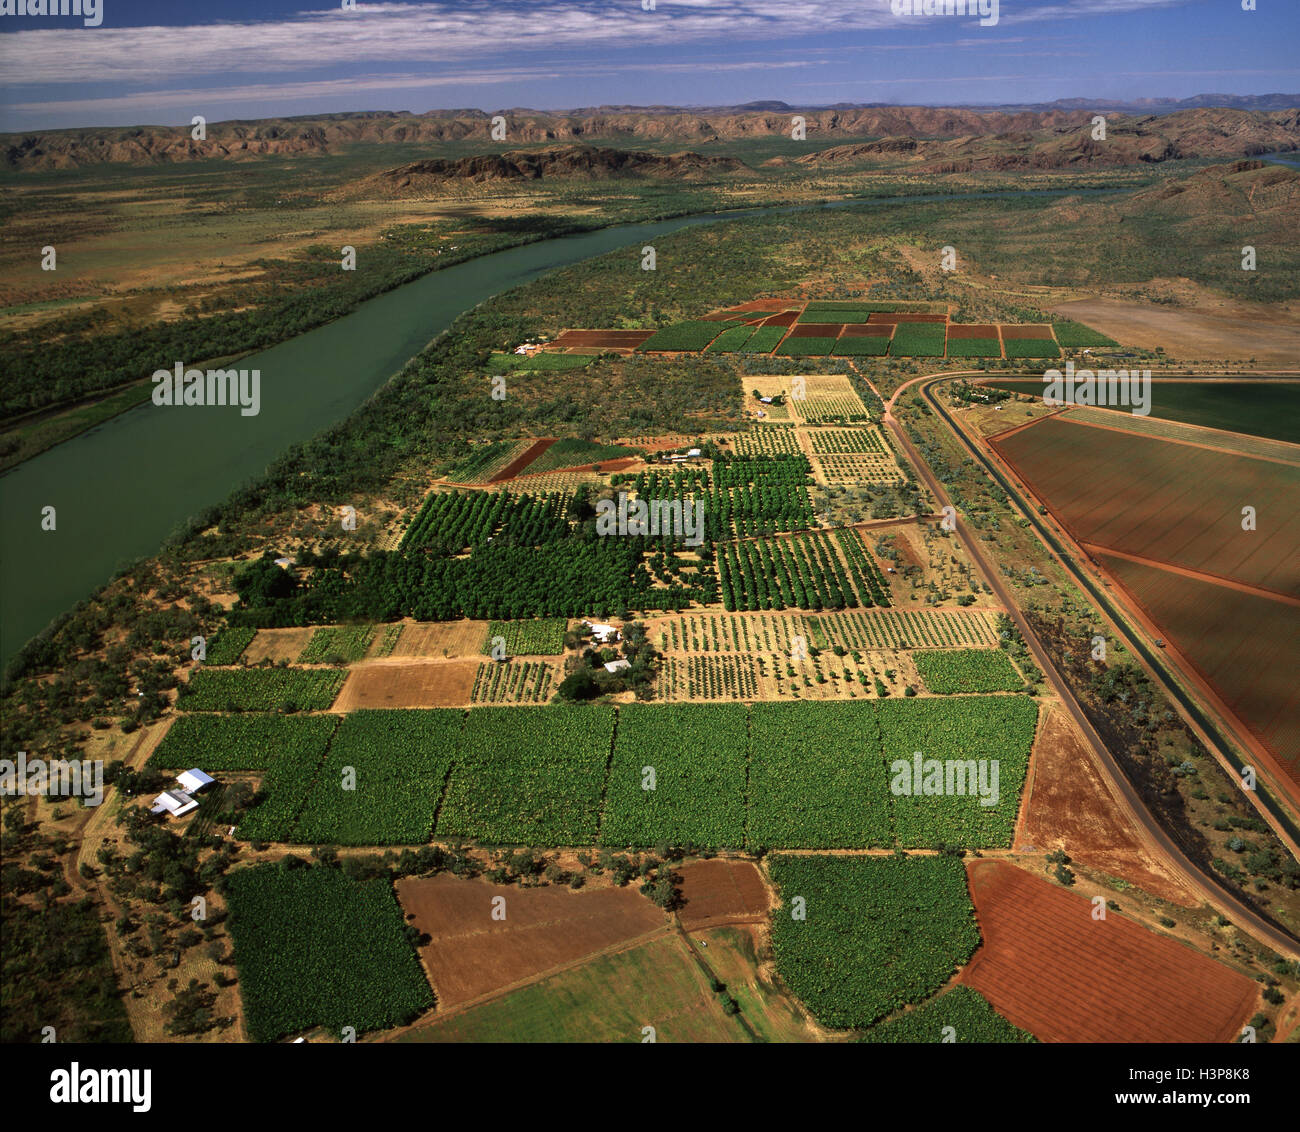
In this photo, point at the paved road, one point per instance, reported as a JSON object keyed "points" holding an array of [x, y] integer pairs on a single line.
{"points": [[1204, 885]]}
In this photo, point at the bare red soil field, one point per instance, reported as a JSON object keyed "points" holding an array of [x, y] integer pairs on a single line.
{"points": [[869, 329], [1070, 807], [972, 330], [1245, 645], [1027, 331], [722, 892], [786, 319], [1047, 966], [522, 461], [1167, 502], [407, 684], [625, 338], [470, 954], [619, 465], [817, 330]]}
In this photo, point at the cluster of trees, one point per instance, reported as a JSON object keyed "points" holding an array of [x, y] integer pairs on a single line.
{"points": [[587, 677]]}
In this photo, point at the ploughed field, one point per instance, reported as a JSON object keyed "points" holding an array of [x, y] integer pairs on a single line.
{"points": [[1050, 968]]}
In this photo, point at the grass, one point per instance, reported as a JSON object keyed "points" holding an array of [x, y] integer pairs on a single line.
{"points": [[609, 999]]}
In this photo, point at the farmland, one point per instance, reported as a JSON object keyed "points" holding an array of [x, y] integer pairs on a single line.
{"points": [[228, 645], [260, 689], [343, 644], [967, 670], [965, 1012], [767, 440], [500, 682], [382, 780], [541, 637], [298, 936], [244, 741], [530, 776], [678, 775], [1166, 502], [877, 932]]}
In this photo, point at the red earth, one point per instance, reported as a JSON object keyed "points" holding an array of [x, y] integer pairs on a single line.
{"points": [[1048, 967]]}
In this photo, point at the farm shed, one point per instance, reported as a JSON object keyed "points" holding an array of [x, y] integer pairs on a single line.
{"points": [[194, 780], [174, 802], [620, 665]]}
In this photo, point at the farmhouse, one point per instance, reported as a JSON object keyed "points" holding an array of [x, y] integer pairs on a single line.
{"points": [[173, 802], [616, 666], [603, 634]]}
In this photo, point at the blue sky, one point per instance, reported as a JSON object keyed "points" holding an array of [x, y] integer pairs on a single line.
{"points": [[163, 61]]}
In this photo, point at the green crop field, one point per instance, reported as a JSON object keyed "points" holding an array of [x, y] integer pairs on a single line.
{"points": [[731, 341], [848, 315], [529, 776], [974, 348], [573, 453], [861, 347], [284, 787], [243, 742], [696, 754], [764, 339], [1031, 348], [877, 933], [346, 643], [768, 440], [260, 689], [996, 731], [964, 1012], [816, 779], [1074, 335], [314, 948], [540, 362], [968, 670], [229, 645], [542, 636], [398, 764], [806, 347], [387, 643], [918, 340]]}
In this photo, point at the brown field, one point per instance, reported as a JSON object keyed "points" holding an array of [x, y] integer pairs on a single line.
{"points": [[389, 684], [471, 955], [277, 644], [868, 329], [785, 319], [1171, 503], [1070, 807], [441, 639], [1245, 645], [626, 339], [722, 892], [1046, 965], [1208, 328], [817, 330], [1030, 330], [757, 305], [969, 330]]}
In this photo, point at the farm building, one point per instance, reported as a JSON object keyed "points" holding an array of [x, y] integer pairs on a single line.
{"points": [[194, 780], [616, 666], [173, 802], [604, 634]]}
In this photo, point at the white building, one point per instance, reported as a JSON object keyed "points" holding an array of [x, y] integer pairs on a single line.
{"points": [[194, 780], [604, 634], [622, 664], [174, 802]]}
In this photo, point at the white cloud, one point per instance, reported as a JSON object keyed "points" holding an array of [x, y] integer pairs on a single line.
{"points": [[444, 32]]}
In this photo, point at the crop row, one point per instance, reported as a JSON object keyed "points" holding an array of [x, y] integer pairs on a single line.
{"points": [[804, 573], [835, 440], [345, 643], [930, 628], [542, 636], [767, 440], [451, 522], [873, 588], [968, 670], [229, 645], [260, 689], [512, 682], [694, 334]]}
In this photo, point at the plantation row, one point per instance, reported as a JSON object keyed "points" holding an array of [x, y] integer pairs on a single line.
{"points": [[452, 522], [347, 643], [788, 775], [486, 460], [767, 440], [803, 573], [930, 628], [843, 468], [229, 645], [260, 689], [835, 440], [710, 678], [968, 670], [541, 637], [818, 408], [873, 587], [513, 682], [711, 632]]}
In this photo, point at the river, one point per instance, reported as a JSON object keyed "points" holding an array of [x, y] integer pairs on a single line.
{"points": [[120, 489]]}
